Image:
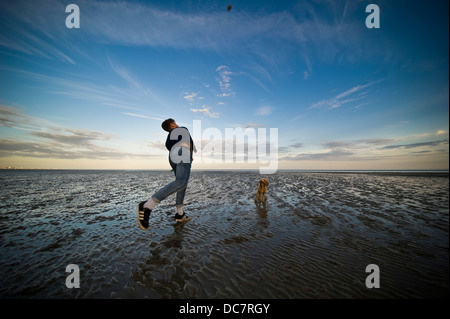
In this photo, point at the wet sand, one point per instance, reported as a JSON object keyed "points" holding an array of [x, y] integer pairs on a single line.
{"points": [[313, 239]]}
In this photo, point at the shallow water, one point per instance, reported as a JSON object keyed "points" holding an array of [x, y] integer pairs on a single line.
{"points": [[313, 239]]}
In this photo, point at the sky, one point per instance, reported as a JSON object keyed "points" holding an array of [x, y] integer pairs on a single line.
{"points": [[340, 95]]}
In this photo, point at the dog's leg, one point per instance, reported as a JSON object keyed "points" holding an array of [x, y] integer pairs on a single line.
{"points": [[258, 196]]}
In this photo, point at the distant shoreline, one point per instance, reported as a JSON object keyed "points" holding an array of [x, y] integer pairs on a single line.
{"points": [[441, 173]]}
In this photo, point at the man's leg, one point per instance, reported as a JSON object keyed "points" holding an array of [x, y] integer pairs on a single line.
{"points": [[151, 203], [180, 197], [182, 173], [180, 184], [185, 171], [180, 200], [145, 208]]}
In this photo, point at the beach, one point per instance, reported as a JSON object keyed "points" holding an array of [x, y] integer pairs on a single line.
{"points": [[313, 239]]}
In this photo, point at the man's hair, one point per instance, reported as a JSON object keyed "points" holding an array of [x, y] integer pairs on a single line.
{"points": [[166, 124]]}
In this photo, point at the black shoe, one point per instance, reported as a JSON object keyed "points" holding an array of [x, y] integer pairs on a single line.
{"points": [[143, 215], [181, 218]]}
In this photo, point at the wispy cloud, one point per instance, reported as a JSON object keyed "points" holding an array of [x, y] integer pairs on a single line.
{"points": [[133, 82], [192, 97], [260, 75], [74, 138], [332, 155], [143, 116], [318, 33], [129, 97], [375, 149], [60, 85], [11, 147], [376, 141], [345, 97], [417, 145], [160, 145], [206, 111], [290, 149], [224, 81], [31, 27], [44, 141], [10, 116], [264, 111], [67, 145], [251, 125], [16, 118]]}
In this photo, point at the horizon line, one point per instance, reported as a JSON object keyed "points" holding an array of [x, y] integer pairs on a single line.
{"points": [[226, 169]]}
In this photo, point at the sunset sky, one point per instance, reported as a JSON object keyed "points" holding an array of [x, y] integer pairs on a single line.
{"points": [[341, 95]]}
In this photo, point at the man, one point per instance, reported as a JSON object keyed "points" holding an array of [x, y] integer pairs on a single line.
{"points": [[180, 145]]}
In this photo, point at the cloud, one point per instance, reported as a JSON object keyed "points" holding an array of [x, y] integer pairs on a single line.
{"points": [[133, 82], [203, 29], [260, 74], [416, 145], [291, 148], [205, 110], [356, 144], [11, 147], [297, 145], [161, 145], [34, 28], [345, 97], [305, 75], [361, 150], [252, 125], [192, 97], [333, 155], [376, 141], [85, 89], [143, 116], [25, 31], [264, 111], [14, 118], [10, 116], [224, 81], [338, 144], [74, 138], [49, 141], [316, 32]]}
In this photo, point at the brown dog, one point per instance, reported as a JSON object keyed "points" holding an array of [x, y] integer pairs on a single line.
{"points": [[262, 189]]}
